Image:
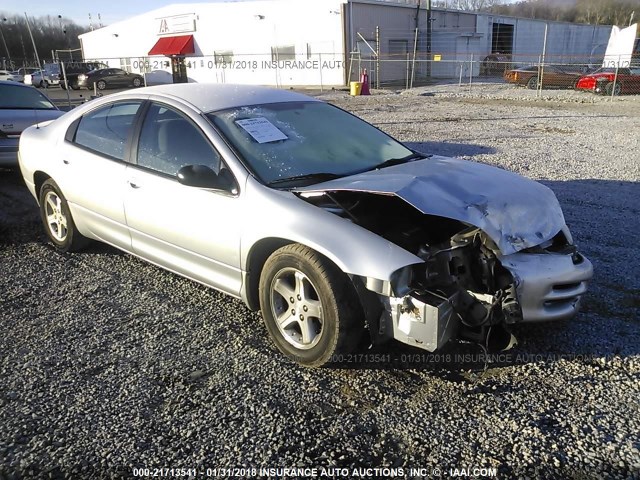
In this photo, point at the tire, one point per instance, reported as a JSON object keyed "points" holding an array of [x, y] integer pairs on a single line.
{"points": [[57, 220], [533, 83], [43, 84], [136, 82], [309, 306], [101, 84], [608, 89]]}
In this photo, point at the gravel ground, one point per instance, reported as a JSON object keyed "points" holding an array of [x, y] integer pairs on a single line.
{"points": [[108, 363]]}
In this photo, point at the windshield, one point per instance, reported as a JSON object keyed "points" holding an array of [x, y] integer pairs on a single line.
{"points": [[20, 97], [296, 139]]}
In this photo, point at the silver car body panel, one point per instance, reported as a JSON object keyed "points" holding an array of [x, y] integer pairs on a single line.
{"points": [[515, 212]]}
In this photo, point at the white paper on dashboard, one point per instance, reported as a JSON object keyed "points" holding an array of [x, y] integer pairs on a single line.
{"points": [[262, 130]]}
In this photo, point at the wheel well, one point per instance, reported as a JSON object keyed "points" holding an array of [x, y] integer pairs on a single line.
{"points": [[38, 179], [259, 253], [263, 249]]}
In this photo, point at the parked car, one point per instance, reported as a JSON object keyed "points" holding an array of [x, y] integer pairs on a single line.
{"points": [[73, 70], [20, 107], [604, 81], [22, 71], [304, 211], [552, 76], [109, 78], [495, 64], [48, 76], [9, 76]]}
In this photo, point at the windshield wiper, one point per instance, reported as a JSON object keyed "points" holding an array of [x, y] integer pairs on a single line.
{"points": [[397, 161], [311, 177]]}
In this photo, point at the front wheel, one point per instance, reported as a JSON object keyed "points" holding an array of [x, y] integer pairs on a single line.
{"points": [[532, 83], [101, 85], [137, 82], [609, 89], [309, 306], [57, 219]]}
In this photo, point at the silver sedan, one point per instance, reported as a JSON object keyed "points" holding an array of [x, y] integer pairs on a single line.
{"points": [[20, 106], [326, 224]]}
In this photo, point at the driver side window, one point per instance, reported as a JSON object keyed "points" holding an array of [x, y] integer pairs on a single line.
{"points": [[169, 141]]}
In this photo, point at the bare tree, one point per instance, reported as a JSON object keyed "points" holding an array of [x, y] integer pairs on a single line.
{"points": [[49, 33]]}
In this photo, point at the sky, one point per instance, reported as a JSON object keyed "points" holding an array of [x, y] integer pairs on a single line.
{"points": [[79, 10]]}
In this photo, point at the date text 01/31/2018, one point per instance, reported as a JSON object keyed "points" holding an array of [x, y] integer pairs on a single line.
{"points": [[243, 64]]}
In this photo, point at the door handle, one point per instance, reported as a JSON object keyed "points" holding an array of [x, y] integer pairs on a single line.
{"points": [[133, 183], [66, 162]]}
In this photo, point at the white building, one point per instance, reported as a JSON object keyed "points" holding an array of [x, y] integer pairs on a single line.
{"points": [[326, 42]]}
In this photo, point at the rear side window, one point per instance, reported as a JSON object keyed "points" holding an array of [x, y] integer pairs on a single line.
{"points": [[107, 129]]}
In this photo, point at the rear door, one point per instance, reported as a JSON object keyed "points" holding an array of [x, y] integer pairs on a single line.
{"points": [[94, 156]]}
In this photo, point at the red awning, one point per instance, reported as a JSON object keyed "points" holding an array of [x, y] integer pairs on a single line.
{"points": [[181, 45]]}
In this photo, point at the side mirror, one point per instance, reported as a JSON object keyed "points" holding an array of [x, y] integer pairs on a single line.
{"points": [[202, 176]]}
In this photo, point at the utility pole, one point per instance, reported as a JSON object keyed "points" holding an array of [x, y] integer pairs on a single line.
{"points": [[429, 38], [33, 42], [4, 41]]}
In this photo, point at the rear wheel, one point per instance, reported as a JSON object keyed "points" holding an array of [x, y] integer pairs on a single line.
{"points": [[532, 83], [609, 89], [137, 82], [309, 306], [57, 219]]}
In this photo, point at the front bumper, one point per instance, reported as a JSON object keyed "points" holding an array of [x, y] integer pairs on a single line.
{"points": [[549, 286]]}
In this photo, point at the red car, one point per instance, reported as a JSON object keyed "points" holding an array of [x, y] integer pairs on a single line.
{"points": [[602, 81]]}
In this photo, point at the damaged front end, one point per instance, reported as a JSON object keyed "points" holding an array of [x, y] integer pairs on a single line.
{"points": [[465, 287]]}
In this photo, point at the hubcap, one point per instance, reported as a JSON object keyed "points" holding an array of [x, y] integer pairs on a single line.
{"points": [[297, 309], [56, 219]]}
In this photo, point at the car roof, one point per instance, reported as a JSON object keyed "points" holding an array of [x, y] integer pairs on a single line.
{"points": [[15, 84], [208, 97]]}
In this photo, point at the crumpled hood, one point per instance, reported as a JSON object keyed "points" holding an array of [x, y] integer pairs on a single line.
{"points": [[515, 212]]}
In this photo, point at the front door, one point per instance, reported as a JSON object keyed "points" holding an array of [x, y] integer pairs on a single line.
{"points": [[189, 230]]}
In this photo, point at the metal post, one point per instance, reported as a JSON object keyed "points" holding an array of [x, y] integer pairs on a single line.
{"points": [[470, 71], [541, 65], [320, 62], [377, 57], [415, 51], [407, 75], [615, 79], [5, 43], [429, 34], [33, 42], [64, 79], [460, 81]]}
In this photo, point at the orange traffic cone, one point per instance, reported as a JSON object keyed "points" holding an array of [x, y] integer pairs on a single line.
{"points": [[364, 79]]}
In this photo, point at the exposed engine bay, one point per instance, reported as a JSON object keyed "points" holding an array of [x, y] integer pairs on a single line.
{"points": [[461, 290]]}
